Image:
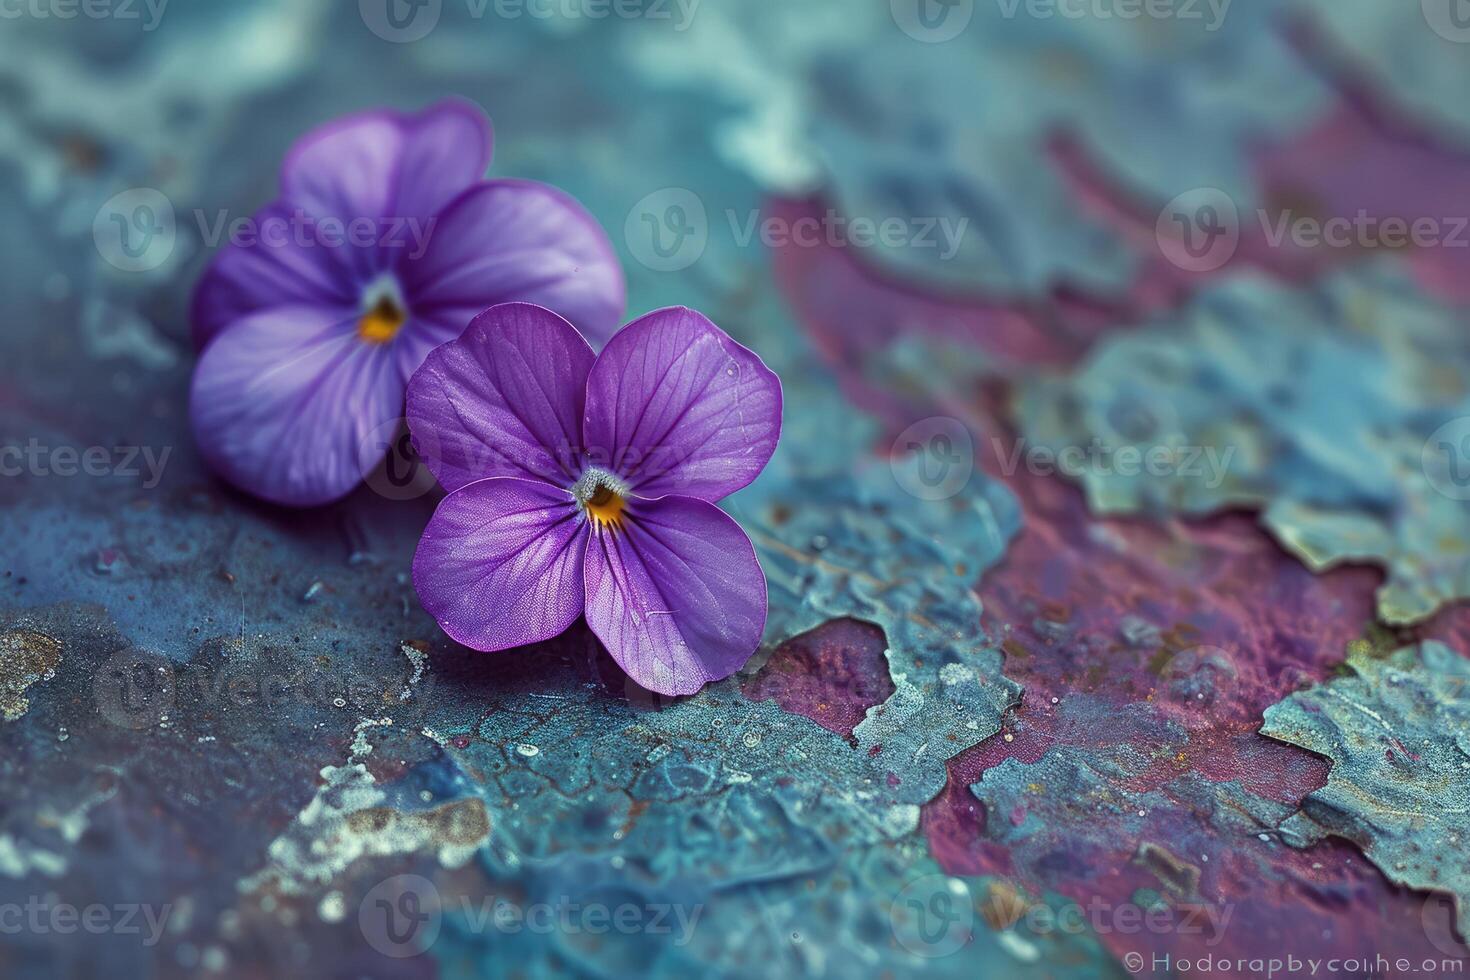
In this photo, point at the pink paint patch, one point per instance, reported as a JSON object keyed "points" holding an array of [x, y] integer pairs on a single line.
{"points": [[832, 675]]}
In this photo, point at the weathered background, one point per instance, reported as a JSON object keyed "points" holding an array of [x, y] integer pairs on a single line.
{"points": [[1183, 719]]}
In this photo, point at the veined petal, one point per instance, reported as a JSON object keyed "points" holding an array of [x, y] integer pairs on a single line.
{"points": [[675, 406], [675, 594], [284, 401], [394, 171], [500, 564], [280, 264], [518, 241], [505, 399], [385, 164]]}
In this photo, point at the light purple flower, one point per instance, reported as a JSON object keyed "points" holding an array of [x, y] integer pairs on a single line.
{"points": [[384, 243], [586, 484]]}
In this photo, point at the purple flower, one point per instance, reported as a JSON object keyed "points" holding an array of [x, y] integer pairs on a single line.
{"points": [[384, 243], [585, 484]]}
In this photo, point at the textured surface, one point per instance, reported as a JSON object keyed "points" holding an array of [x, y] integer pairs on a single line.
{"points": [[1323, 407], [996, 728], [1398, 733]]}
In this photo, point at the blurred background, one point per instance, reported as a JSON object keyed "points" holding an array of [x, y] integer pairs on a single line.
{"points": [[968, 234]]}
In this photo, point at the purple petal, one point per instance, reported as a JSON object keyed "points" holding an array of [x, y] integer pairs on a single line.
{"points": [[500, 564], [505, 399], [676, 594], [517, 241], [388, 165], [285, 402], [675, 406], [395, 171], [265, 271]]}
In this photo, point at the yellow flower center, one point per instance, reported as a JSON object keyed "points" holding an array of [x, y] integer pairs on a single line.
{"points": [[605, 507], [381, 323], [603, 496]]}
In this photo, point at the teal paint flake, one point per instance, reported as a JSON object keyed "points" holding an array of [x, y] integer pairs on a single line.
{"points": [[856, 544], [1398, 733], [901, 140], [1315, 405]]}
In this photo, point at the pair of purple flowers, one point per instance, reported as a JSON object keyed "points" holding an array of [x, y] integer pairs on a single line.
{"points": [[579, 484]]}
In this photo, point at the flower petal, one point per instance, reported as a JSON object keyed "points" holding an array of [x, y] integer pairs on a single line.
{"points": [[676, 594], [285, 400], [505, 399], [500, 564], [280, 264], [388, 165], [392, 170], [518, 241], [675, 406]]}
